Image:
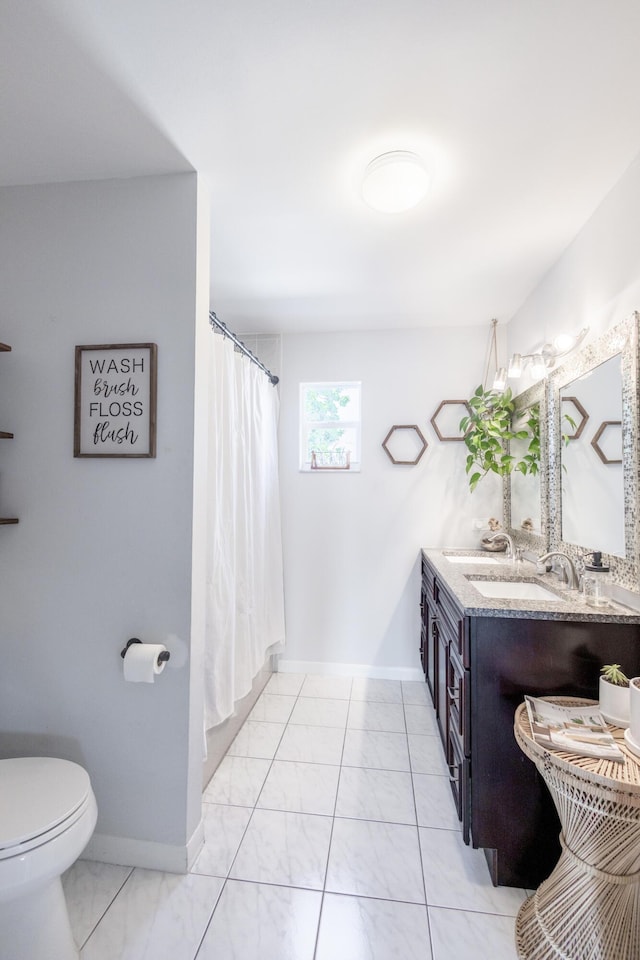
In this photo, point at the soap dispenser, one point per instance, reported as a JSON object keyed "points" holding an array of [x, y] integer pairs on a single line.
{"points": [[596, 581]]}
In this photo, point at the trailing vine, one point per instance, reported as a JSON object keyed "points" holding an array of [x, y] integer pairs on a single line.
{"points": [[486, 432], [530, 463]]}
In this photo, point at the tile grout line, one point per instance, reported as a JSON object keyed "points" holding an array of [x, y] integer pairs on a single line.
{"points": [[333, 821], [424, 883], [107, 908], [211, 915]]}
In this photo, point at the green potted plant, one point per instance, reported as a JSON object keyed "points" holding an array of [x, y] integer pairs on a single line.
{"points": [[486, 431], [614, 695]]}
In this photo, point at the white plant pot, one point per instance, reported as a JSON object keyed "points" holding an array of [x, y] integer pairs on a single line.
{"points": [[634, 709], [615, 703]]}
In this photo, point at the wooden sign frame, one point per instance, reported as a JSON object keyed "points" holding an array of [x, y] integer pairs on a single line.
{"points": [[115, 400]]}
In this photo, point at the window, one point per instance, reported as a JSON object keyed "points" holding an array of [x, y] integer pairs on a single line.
{"points": [[330, 426]]}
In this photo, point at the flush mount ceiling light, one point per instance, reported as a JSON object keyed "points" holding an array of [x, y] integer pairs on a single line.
{"points": [[395, 181]]}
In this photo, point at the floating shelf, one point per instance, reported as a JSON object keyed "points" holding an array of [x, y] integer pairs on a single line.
{"points": [[5, 348], [5, 436], [4, 520]]}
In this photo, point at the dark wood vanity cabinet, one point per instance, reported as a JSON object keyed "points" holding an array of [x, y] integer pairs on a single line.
{"points": [[478, 669], [446, 662]]}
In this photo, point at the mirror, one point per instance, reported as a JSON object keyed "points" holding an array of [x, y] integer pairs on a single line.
{"points": [[592, 484], [593, 452], [525, 494]]}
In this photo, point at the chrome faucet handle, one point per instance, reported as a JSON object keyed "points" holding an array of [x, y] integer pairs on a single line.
{"points": [[505, 536], [567, 563]]}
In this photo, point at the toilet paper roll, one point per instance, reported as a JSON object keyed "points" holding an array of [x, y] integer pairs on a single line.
{"points": [[141, 662]]}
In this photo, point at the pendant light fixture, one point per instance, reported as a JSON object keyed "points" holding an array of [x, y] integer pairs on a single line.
{"points": [[500, 373]]}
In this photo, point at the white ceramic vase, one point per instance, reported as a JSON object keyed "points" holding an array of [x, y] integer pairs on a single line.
{"points": [[615, 703], [634, 709]]}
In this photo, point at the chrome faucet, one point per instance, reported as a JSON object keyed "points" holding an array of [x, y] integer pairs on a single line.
{"points": [[511, 553], [572, 576]]}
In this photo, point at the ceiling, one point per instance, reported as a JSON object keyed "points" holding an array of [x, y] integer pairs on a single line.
{"points": [[526, 114]]}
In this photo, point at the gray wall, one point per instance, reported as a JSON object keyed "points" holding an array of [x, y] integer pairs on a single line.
{"points": [[103, 550]]}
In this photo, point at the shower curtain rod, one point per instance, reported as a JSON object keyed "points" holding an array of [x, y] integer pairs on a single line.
{"points": [[218, 325]]}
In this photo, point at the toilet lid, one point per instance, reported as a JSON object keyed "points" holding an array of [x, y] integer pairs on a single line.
{"points": [[37, 794]]}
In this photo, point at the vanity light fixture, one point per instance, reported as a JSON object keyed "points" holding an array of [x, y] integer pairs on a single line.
{"points": [[547, 356], [395, 181]]}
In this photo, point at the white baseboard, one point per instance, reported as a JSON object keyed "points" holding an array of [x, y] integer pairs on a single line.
{"points": [[349, 670], [195, 845], [148, 854]]}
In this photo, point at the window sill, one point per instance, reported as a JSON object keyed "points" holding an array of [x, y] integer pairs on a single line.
{"points": [[354, 468]]}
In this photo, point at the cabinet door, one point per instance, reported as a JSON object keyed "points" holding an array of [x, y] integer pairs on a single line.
{"points": [[460, 781], [424, 630], [428, 632], [442, 661], [458, 700], [432, 654]]}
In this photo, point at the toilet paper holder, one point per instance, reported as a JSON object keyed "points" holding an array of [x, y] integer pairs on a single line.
{"points": [[164, 655]]}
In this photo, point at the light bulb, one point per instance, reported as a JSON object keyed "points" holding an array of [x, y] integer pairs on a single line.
{"points": [[515, 366], [564, 342], [500, 380], [538, 366]]}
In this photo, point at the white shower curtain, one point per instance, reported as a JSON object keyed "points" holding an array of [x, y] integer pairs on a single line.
{"points": [[245, 598]]}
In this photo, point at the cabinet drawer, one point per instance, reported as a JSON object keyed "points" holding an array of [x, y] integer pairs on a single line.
{"points": [[428, 580], [453, 624]]}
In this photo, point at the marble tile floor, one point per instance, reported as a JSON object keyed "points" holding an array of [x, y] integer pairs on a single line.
{"points": [[330, 835]]}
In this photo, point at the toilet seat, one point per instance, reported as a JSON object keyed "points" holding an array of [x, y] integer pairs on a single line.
{"points": [[40, 798]]}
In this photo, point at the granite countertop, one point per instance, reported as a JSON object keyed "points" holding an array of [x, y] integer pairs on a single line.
{"points": [[569, 606]]}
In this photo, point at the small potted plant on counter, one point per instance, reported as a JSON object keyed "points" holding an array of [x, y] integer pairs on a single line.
{"points": [[614, 695]]}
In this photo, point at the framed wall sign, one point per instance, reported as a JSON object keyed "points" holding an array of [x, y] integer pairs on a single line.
{"points": [[115, 400]]}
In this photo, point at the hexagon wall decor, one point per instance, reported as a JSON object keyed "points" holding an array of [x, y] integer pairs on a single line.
{"points": [[599, 434], [581, 419], [466, 411], [397, 445]]}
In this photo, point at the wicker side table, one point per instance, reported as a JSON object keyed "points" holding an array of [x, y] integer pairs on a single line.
{"points": [[589, 907]]}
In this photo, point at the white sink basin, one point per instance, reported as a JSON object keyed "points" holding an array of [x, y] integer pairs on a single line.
{"points": [[514, 590], [467, 558]]}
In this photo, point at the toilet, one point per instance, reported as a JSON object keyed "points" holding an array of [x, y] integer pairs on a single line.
{"points": [[47, 815]]}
